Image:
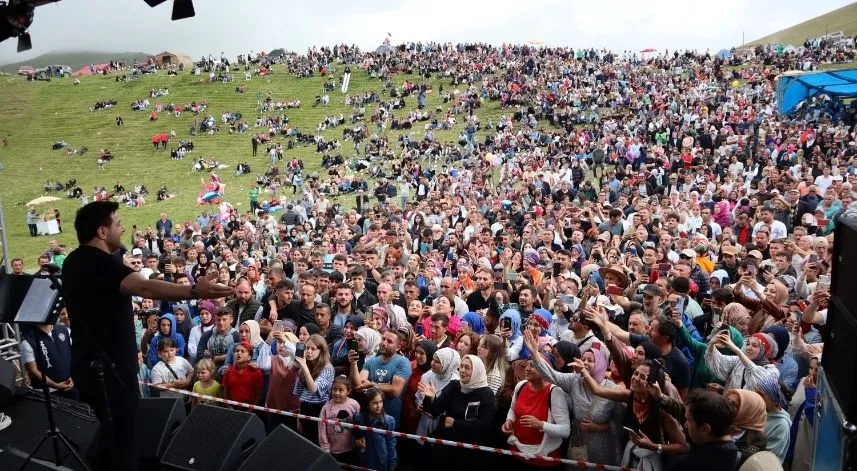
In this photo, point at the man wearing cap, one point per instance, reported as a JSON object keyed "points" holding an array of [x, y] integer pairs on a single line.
{"points": [[728, 262]]}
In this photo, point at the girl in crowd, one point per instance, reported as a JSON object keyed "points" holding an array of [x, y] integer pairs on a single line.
{"points": [[333, 438], [243, 382], [492, 352], [746, 368], [464, 409], [779, 423], [651, 415], [467, 343], [307, 330], [339, 351], [378, 450], [595, 431], [206, 383], [510, 331], [281, 385], [472, 322], [314, 382], [423, 356], [206, 323], [537, 421], [802, 409], [260, 352]]}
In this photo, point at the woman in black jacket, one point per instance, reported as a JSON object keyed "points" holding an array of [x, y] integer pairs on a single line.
{"points": [[465, 409]]}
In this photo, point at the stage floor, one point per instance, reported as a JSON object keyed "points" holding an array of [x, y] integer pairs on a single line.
{"points": [[30, 422]]}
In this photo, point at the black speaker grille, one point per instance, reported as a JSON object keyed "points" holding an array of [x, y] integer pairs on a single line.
{"points": [[285, 450], [159, 418], [207, 438]]}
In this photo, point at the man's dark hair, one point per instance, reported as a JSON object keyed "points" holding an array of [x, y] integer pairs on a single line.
{"points": [[92, 216], [667, 328], [708, 407], [440, 317], [680, 285], [723, 295]]}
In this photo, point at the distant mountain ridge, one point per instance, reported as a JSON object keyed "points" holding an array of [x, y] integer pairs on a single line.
{"points": [[75, 59]]}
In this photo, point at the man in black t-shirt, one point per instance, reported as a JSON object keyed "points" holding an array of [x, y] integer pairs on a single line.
{"points": [[97, 287]]}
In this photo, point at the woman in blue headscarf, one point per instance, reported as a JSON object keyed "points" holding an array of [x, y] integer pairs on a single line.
{"points": [[512, 334], [474, 322]]}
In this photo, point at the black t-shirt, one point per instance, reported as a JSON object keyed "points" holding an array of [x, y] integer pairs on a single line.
{"points": [[100, 313]]}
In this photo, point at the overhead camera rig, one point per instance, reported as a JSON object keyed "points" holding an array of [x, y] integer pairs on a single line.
{"points": [[16, 16]]}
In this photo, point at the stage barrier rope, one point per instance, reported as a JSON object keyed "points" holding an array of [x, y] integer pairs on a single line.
{"points": [[419, 438]]}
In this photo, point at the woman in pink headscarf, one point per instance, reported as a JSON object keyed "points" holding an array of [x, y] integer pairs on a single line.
{"points": [[722, 214]]}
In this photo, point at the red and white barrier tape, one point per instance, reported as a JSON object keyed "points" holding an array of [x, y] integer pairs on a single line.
{"points": [[419, 438]]}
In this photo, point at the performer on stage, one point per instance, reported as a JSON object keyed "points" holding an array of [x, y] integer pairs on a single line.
{"points": [[98, 287]]}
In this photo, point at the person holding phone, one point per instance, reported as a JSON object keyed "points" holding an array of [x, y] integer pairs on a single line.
{"points": [[651, 419], [315, 380], [766, 307], [347, 343]]}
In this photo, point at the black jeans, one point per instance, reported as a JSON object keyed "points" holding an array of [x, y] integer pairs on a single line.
{"points": [[118, 402], [33, 231]]}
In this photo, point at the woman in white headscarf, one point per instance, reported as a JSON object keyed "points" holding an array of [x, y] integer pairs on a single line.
{"points": [[464, 409], [444, 368], [368, 342]]}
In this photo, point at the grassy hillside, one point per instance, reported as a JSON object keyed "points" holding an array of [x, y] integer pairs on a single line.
{"points": [[35, 114], [74, 59], [842, 19]]}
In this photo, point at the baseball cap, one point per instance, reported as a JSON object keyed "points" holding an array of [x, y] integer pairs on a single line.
{"points": [[690, 253], [729, 250], [755, 254]]}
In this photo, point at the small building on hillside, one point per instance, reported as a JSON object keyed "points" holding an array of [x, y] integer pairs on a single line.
{"points": [[166, 59]]}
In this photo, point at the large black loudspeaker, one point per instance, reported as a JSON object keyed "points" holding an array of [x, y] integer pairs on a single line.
{"points": [[214, 439], [7, 382], [286, 450], [840, 338], [158, 420]]}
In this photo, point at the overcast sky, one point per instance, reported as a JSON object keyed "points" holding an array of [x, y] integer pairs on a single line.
{"points": [[241, 26]]}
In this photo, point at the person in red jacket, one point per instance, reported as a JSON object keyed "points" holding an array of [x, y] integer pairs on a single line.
{"points": [[243, 382]]}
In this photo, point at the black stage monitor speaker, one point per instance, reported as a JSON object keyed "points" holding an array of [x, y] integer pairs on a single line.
{"points": [[286, 450], [214, 439], [159, 418], [7, 382], [840, 333]]}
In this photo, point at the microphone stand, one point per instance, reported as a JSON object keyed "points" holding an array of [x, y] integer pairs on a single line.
{"points": [[53, 433]]}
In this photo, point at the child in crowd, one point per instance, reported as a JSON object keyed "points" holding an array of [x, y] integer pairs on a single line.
{"points": [[172, 371], [143, 375], [205, 383], [243, 382], [166, 330], [333, 438], [378, 451]]}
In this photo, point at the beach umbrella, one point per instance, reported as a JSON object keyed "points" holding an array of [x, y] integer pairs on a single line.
{"points": [[43, 200], [647, 50]]}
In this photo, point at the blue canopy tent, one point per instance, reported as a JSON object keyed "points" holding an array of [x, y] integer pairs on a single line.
{"points": [[795, 87], [724, 54]]}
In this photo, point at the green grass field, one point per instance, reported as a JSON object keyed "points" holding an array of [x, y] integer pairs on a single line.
{"points": [[842, 19], [35, 114]]}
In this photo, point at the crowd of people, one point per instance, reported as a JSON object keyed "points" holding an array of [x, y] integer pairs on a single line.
{"points": [[631, 266]]}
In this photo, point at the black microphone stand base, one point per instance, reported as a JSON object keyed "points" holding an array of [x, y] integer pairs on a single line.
{"points": [[56, 437], [53, 433]]}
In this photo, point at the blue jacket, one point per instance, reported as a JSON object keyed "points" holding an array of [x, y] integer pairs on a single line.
{"points": [[152, 357], [380, 453]]}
